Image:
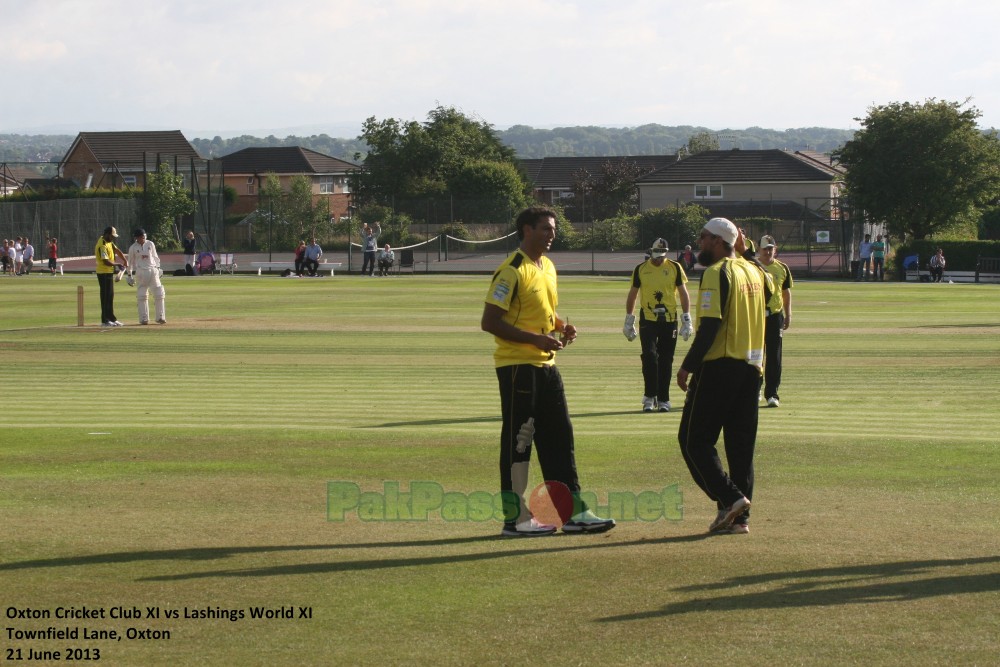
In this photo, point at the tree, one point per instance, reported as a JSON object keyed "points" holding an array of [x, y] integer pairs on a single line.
{"points": [[679, 225], [291, 216], [921, 169], [610, 193], [699, 143], [491, 191], [164, 199], [410, 163]]}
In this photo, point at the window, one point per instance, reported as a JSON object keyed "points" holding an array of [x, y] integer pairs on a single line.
{"points": [[344, 185], [251, 183], [129, 181], [708, 192], [326, 185]]}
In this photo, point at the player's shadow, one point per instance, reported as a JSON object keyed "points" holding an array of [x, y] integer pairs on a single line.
{"points": [[223, 553], [856, 584], [539, 546], [489, 419]]}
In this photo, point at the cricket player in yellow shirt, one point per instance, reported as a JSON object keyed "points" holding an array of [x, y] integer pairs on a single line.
{"points": [[520, 312], [722, 374]]}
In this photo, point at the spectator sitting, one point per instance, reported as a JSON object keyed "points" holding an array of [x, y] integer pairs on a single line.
{"points": [[386, 258], [687, 258], [300, 257], [310, 261]]}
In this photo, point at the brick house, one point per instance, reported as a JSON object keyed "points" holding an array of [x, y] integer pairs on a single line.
{"points": [[114, 160], [246, 171]]}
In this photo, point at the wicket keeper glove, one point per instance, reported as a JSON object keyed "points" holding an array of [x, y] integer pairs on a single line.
{"points": [[686, 327], [629, 328]]}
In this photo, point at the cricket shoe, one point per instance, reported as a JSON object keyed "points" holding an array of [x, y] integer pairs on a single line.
{"points": [[118, 324], [648, 403], [108, 324], [529, 528], [143, 321], [740, 529], [724, 519], [773, 402], [587, 522], [161, 321], [663, 406]]}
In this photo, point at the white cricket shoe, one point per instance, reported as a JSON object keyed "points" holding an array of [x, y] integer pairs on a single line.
{"points": [[724, 519], [529, 528], [648, 403], [773, 402], [663, 407]]}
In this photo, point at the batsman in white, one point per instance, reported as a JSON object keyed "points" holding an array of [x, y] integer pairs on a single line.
{"points": [[145, 263]]}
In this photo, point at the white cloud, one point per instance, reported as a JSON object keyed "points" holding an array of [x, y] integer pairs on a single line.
{"points": [[720, 64]]}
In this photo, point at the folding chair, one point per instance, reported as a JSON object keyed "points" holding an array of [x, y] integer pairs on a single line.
{"points": [[226, 263]]}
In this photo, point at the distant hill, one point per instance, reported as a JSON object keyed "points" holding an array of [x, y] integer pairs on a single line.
{"points": [[527, 141]]}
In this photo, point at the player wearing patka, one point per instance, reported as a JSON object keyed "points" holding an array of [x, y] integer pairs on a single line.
{"points": [[721, 374], [145, 263], [520, 312], [659, 284]]}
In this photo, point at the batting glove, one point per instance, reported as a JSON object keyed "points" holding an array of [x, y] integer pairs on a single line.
{"points": [[525, 435], [629, 328], [130, 279], [686, 327]]}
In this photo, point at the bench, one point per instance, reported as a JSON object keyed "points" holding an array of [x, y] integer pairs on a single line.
{"points": [[922, 275], [955, 276], [987, 269], [323, 266]]}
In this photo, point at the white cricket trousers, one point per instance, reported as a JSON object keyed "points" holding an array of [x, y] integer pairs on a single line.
{"points": [[146, 280]]}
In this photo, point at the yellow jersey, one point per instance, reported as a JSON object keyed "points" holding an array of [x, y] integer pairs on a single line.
{"points": [[734, 291], [104, 250], [781, 276], [527, 294], [657, 287]]}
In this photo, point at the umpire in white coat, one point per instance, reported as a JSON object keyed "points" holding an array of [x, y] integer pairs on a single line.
{"points": [[143, 260]]}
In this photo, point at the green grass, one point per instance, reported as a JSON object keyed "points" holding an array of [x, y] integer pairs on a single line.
{"points": [[186, 466]]}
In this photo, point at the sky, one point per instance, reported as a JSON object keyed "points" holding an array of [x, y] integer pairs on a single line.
{"points": [[231, 67]]}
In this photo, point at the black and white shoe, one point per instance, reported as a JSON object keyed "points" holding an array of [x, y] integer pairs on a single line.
{"points": [[588, 522]]}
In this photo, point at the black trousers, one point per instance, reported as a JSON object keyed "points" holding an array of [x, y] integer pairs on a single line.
{"points": [[722, 397], [310, 265], [535, 393], [773, 335], [658, 340], [106, 281], [368, 265]]}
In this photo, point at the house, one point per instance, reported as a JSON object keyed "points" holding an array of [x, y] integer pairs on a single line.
{"points": [[246, 170], [114, 160], [553, 177], [739, 183], [16, 178]]}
